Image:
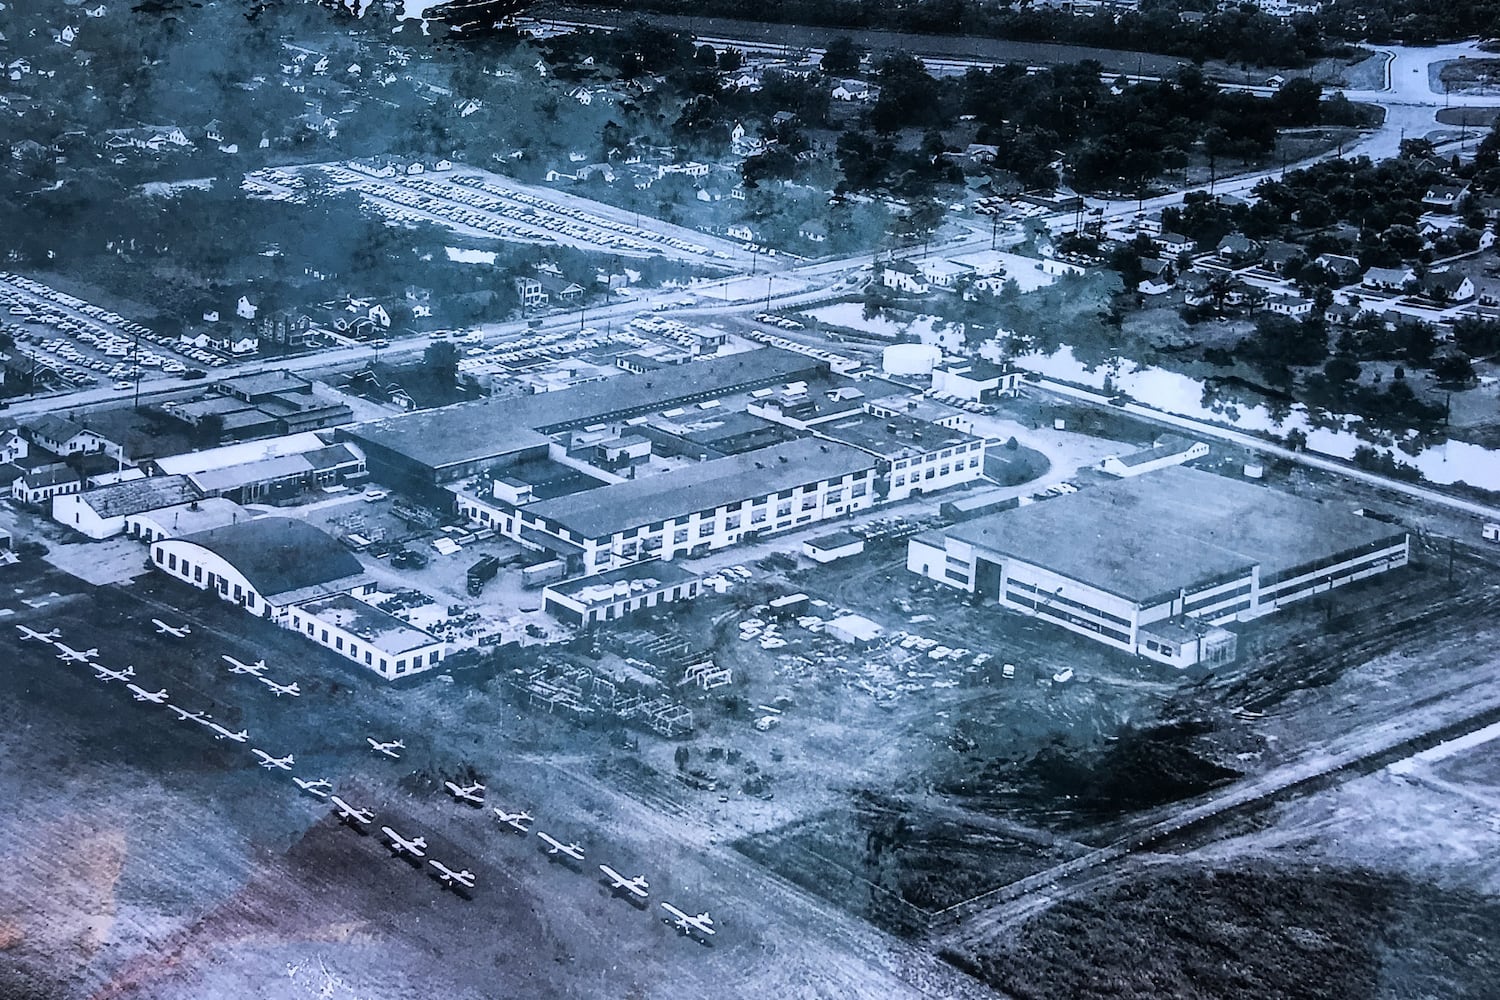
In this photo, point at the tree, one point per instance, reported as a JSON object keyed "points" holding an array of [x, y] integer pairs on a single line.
{"points": [[1297, 101], [1454, 367], [441, 360], [1341, 369], [842, 57]]}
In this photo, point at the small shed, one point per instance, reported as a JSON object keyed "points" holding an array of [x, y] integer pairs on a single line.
{"points": [[827, 548]]}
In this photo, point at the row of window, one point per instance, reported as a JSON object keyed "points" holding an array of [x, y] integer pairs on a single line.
{"points": [[193, 572], [943, 470], [1055, 598], [960, 451], [371, 658], [1046, 610]]}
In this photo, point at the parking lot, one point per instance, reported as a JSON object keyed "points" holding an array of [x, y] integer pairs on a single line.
{"points": [[75, 344], [478, 203]]}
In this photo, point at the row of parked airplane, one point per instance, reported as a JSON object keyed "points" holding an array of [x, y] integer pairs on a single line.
{"points": [[415, 847], [637, 886]]}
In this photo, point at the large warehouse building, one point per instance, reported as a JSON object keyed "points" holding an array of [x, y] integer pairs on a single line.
{"points": [[439, 446], [1151, 565]]}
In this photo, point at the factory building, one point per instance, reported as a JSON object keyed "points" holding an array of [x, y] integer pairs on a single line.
{"points": [[366, 635], [1156, 564], [912, 456], [443, 445], [690, 510]]}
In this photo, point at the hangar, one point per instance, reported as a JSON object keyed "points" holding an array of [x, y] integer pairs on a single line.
{"points": [[1152, 564]]}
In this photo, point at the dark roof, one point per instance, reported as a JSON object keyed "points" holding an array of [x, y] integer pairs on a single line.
{"points": [[1150, 535], [490, 428], [279, 554], [54, 428], [705, 486], [137, 495]]}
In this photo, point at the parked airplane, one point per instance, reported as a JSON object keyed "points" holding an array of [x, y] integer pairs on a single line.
{"points": [[472, 794], [451, 878], [281, 689], [701, 924], [267, 761], [31, 633], [389, 749], [558, 847], [516, 821], [183, 715], [106, 674], [68, 654], [321, 787], [236, 667], [416, 847], [175, 631], [141, 694], [348, 813], [220, 733], [636, 886]]}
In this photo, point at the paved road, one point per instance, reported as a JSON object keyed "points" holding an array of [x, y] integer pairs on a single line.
{"points": [[1260, 445]]}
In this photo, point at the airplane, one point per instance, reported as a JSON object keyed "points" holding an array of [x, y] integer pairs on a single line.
{"points": [[141, 694], [389, 749], [281, 689], [702, 923], [320, 787], [558, 847], [636, 886], [348, 813], [220, 733], [472, 794], [516, 821], [106, 674], [267, 761], [183, 715], [68, 654], [451, 878], [236, 667], [175, 631], [31, 633], [416, 847]]}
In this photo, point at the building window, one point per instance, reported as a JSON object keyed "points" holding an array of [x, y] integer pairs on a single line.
{"points": [[369, 660], [758, 515], [680, 536], [197, 573], [783, 509], [899, 481], [171, 562], [325, 636], [432, 657], [731, 522], [705, 529], [860, 489], [338, 643]]}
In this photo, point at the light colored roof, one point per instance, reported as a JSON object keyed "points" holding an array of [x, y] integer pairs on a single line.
{"points": [[240, 454], [383, 631]]}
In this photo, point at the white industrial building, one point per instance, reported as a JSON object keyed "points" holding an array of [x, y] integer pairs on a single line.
{"points": [[1153, 565], [691, 509], [913, 456], [979, 381], [613, 595], [102, 512], [184, 519], [1169, 450], [366, 635]]}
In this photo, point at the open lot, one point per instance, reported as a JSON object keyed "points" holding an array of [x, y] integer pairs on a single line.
{"points": [[149, 860]]}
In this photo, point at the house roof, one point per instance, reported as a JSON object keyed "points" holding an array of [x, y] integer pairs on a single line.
{"points": [[279, 554], [54, 428], [1167, 446]]}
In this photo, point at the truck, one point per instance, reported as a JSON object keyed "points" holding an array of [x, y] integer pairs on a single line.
{"points": [[481, 573]]}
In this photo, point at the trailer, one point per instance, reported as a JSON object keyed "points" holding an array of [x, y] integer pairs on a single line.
{"points": [[481, 573]]}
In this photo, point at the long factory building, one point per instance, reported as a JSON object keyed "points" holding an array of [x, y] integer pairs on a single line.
{"points": [[694, 509], [1154, 565], [433, 447]]}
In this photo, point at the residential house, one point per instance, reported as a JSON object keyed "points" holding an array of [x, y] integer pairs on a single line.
{"points": [[1174, 244], [1444, 197], [1387, 279], [740, 231], [245, 309], [1346, 270], [1239, 250], [904, 276], [814, 231], [289, 329], [531, 293], [13, 446], [1341, 314], [1447, 287], [944, 273], [1278, 253], [1289, 305], [62, 436], [979, 381], [1160, 277]]}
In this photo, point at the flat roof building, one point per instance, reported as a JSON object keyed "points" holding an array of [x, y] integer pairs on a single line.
{"points": [[912, 456], [695, 508], [610, 596], [1178, 544], [364, 634], [454, 442]]}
